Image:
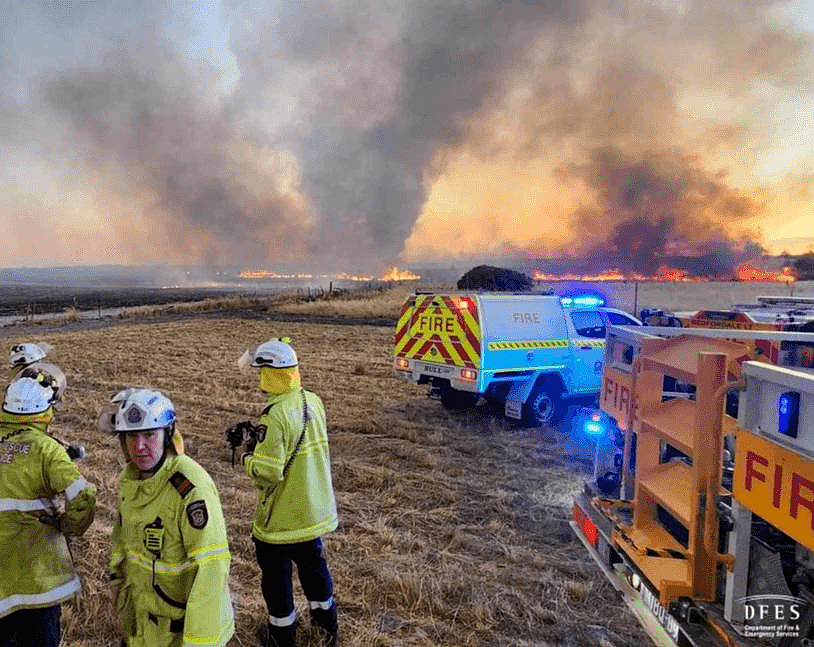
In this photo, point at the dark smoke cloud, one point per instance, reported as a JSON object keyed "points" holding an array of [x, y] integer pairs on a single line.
{"points": [[371, 98], [365, 168], [659, 207], [637, 154]]}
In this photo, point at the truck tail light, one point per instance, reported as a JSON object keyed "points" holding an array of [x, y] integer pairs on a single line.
{"points": [[469, 375], [402, 364], [585, 525]]}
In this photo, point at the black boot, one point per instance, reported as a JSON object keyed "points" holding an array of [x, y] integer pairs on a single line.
{"points": [[327, 624], [271, 636]]}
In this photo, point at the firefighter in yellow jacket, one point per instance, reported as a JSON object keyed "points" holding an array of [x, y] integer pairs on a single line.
{"points": [[36, 573], [170, 557], [291, 469]]}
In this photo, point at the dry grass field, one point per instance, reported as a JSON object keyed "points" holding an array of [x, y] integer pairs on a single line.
{"points": [[454, 526], [628, 296]]}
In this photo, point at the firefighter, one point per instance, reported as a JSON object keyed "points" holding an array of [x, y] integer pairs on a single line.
{"points": [[290, 466], [169, 563], [36, 571]]}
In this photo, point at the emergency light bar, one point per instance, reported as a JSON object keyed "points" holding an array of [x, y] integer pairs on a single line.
{"points": [[582, 301]]}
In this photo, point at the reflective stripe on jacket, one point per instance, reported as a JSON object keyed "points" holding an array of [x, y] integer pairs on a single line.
{"points": [[300, 506], [178, 514], [35, 473]]}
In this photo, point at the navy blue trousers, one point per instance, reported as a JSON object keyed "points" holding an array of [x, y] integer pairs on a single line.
{"points": [[31, 628], [275, 561]]}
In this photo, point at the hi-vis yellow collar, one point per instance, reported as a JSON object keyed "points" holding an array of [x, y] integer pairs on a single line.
{"points": [[279, 380], [39, 421]]}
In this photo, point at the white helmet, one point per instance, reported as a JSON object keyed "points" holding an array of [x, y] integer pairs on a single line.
{"points": [[34, 390], [28, 353], [274, 353], [133, 410]]}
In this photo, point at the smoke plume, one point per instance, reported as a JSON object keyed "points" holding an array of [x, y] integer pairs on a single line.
{"points": [[313, 133]]}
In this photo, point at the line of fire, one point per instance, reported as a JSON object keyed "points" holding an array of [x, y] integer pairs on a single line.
{"points": [[743, 272]]}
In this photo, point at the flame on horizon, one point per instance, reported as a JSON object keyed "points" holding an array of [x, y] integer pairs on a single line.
{"points": [[395, 274], [748, 272], [667, 274], [743, 272]]}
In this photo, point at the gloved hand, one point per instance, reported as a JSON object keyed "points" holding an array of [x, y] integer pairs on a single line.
{"points": [[49, 519], [51, 516], [251, 444], [115, 589]]}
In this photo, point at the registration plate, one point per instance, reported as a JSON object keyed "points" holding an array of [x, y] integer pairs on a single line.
{"points": [[653, 605], [513, 409], [437, 369]]}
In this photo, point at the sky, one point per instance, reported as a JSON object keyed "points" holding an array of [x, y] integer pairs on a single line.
{"points": [[350, 135]]}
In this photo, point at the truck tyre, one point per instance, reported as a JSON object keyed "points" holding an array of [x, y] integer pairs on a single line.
{"points": [[543, 408], [455, 399]]}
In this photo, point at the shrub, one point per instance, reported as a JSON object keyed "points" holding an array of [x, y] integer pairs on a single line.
{"points": [[486, 277]]}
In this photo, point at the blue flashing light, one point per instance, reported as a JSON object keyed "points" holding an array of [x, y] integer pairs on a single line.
{"points": [[590, 423], [788, 413], [582, 301]]}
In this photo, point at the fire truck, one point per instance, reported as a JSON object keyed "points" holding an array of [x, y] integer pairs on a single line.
{"points": [[528, 353], [700, 509], [767, 313]]}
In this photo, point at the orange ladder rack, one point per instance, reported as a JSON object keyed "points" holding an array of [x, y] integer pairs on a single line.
{"points": [[685, 488]]}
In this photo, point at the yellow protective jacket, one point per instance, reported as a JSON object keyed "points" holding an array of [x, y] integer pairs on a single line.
{"points": [[35, 565], [300, 506], [170, 551]]}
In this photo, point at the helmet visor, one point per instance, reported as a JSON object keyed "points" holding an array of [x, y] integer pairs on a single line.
{"points": [[49, 376], [107, 418], [245, 360]]}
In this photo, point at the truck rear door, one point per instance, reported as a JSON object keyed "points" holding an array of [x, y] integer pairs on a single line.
{"points": [[524, 333], [440, 335]]}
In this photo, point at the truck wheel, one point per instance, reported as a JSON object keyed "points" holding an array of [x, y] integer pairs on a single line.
{"points": [[455, 399], [542, 408]]}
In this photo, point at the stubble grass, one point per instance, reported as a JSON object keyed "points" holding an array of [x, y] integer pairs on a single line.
{"points": [[454, 527]]}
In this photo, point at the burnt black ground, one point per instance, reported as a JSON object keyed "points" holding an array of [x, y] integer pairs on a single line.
{"points": [[26, 302], [22, 299]]}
